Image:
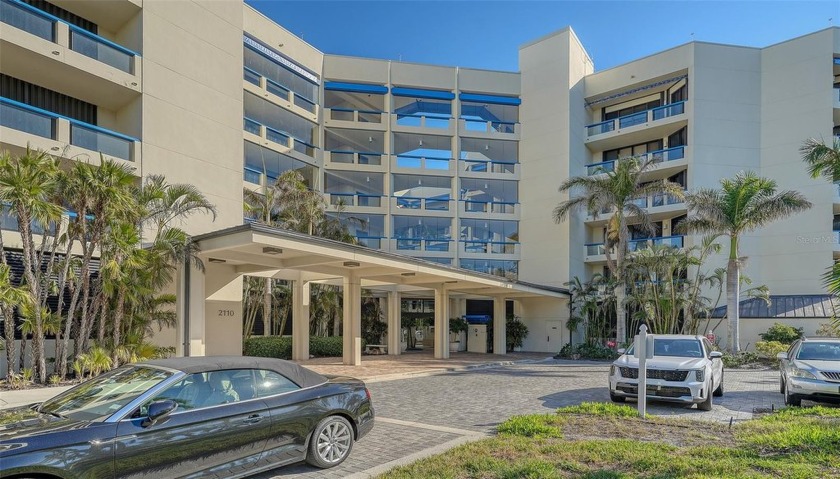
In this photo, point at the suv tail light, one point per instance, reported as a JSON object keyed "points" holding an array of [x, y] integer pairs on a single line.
{"points": [[367, 393]]}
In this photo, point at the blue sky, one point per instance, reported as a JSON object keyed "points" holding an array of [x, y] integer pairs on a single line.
{"points": [[487, 34]]}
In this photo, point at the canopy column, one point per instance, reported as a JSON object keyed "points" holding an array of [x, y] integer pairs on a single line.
{"points": [[499, 326], [300, 320], [352, 320], [394, 312], [441, 322]]}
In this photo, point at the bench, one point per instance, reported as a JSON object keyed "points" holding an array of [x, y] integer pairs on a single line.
{"points": [[379, 348]]}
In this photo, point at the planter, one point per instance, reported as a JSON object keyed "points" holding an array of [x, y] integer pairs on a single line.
{"points": [[453, 346]]}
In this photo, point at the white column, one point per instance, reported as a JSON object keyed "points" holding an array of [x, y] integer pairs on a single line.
{"points": [[394, 323], [441, 323], [499, 326], [300, 320], [196, 297], [352, 321]]}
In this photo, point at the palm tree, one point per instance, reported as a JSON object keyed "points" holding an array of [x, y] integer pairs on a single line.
{"points": [[616, 190], [10, 298], [743, 204]]}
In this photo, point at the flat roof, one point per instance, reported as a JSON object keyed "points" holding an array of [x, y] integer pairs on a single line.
{"points": [[261, 250]]}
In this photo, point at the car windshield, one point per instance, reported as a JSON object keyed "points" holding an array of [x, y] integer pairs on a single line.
{"points": [[819, 351], [683, 348], [104, 395]]}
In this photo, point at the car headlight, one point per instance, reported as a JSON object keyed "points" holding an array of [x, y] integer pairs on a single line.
{"points": [[802, 373], [700, 374]]}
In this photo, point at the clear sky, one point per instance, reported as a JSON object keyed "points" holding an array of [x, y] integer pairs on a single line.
{"points": [[487, 34]]}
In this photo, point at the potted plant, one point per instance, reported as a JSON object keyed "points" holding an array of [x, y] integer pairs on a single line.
{"points": [[456, 327]]}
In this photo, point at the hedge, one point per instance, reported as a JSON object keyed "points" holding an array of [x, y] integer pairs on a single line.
{"points": [[281, 347]]}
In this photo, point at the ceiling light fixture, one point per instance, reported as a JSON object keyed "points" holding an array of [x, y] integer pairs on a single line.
{"points": [[408, 274], [216, 260], [272, 250], [352, 264]]}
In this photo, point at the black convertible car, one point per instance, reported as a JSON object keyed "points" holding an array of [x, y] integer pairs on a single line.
{"points": [[187, 417]]}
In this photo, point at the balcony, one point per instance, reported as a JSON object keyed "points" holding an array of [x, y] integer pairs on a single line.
{"points": [[635, 127], [488, 128], [23, 125], [481, 209], [340, 157], [279, 94], [355, 199], [595, 252], [659, 206], [91, 67], [489, 169], [348, 117], [487, 247], [655, 157], [429, 121], [276, 139], [422, 244], [418, 162], [407, 203]]}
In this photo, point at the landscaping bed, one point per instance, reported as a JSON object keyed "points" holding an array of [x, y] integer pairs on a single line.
{"points": [[597, 440]]}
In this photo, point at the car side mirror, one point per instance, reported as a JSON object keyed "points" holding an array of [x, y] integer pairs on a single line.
{"points": [[715, 355], [782, 355], [159, 410], [621, 350]]}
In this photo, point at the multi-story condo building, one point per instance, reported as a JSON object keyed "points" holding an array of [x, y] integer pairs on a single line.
{"points": [[451, 165]]}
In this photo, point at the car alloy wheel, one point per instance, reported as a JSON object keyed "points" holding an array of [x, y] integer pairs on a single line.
{"points": [[331, 442], [792, 399]]}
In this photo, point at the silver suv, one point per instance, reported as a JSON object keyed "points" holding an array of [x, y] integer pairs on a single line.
{"points": [[810, 369]]}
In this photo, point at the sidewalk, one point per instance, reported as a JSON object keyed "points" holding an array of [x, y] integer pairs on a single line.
{"points": [[374, 368]]}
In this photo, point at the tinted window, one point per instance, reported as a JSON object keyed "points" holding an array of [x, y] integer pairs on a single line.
{"points": [[819, 351], [270, 383], [686, 348]]}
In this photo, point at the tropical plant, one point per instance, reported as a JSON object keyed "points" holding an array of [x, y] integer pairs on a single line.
{"points": [[616, 191], [11, 297], [593, 305], [743, 204], [516, 332], [782, 333]]}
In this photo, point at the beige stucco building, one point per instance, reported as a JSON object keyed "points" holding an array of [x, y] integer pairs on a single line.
{"points": [[458, 167]]}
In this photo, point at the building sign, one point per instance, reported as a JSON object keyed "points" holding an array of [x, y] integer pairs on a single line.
{"points": [[277, 57]]}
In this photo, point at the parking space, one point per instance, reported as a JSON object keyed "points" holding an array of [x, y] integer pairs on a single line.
{"points": [[420, 416]]}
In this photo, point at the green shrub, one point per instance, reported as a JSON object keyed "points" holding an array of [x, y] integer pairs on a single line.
{"points": [[587, 351], [769, 349], [782, 333], [736, 360], [281, 347]]}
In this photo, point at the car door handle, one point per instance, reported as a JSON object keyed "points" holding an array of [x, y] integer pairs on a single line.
{"points": [[252, 419]]}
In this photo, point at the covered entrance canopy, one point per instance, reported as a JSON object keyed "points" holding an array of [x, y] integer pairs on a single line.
{"points": [[212, 313]]}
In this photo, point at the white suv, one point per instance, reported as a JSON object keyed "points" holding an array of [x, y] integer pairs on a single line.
{"points": [[683, 369]]}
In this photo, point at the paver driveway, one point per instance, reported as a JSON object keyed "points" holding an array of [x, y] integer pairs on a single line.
{"points": [[419, 416]]}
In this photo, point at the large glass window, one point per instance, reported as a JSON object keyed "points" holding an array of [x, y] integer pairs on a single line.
{"points": [[412, 190], [354, 187], [341, 139], [502, 118], [262, 161], [506, 268], [422, 227], [281, 75], [422, 151], [502, 231], [633, 150], [489, 191], [428, 108], [355, 106], [279, 119]]}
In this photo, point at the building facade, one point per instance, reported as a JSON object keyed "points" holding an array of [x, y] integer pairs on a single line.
{"points": [[452, 165]]}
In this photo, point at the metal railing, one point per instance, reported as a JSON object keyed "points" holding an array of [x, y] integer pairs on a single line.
{"points": [[417, 203], [422, 162], [355, 199], [422, 244], [500, 207], [489, 126], [597, 249], [489, 247], [638, 118], [423, 120], [489, 166], [277, 136], [42, 24], [35, 121], [359, 116], [658, 156], [355, 157]]}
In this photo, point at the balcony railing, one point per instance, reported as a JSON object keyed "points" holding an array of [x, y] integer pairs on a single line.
{"points": [[422, 162], [372, 242], [40, 23], [38, 122], [253, 77], [359, 116], [489, 126], [489, 247], [355, 199], [654, 114], [500, 207], [415, 203], [665, 200], [658, 156], [355, 157], [489, 166], [276, 136], [597, 249], [422, 244], [423, 121]]}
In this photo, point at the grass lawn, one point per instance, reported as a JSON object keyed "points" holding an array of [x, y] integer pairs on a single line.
{"points": [[608, 441]]}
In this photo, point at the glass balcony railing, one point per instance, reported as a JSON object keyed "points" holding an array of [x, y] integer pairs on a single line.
{"points": [[38, 122], [355, 199], [251, 76], [252, 126], [37, 22], [665, 200], [488, 126], [423, 120], [597, 249], [277, 89], [423, 244], [361, 116], [252, 176], [500, 207], [836, 236], [416, 203], [305, 103], [489, 247], [372, 242], [355, 157], [638, 118], [277, 136], [422, 162], [489, 166], [658, 156]]}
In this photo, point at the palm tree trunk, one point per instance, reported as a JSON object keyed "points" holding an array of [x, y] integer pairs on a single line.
{"points": [[620, 314], [118, 315], [267, 308], [732, 294]]}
